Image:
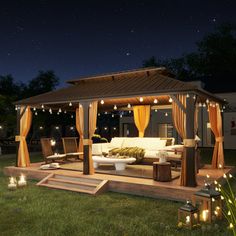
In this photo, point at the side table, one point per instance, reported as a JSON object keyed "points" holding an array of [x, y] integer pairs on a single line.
{"points": [[162, 171]]}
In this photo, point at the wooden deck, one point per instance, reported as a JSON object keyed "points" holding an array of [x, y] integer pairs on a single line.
{"points": [[131, 185]]}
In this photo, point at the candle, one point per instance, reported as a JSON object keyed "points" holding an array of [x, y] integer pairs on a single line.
{"points": [[22, 181], [205, 215], [12, 183], [187, 220]]}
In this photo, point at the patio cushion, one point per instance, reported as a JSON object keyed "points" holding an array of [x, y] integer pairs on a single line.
{"points": [[117, 142], [152, 145]]}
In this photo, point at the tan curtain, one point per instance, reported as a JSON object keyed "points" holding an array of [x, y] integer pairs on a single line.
{"points": [[25, 124], [92, 127], [80, 127], [141, 118], [179, 120], [197, 152], [216, 127]]}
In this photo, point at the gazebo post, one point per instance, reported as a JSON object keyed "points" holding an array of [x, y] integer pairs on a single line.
{"points": [[18, 117], [189, 148], [85, 105]]}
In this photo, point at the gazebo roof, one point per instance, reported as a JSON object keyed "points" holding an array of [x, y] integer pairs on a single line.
{"points": [[127, 84]]}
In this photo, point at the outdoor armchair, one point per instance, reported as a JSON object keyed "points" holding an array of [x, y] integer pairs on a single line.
{"points": [[70, 147]]}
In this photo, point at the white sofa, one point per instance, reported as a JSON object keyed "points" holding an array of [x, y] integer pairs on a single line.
{"points": [[151, 145]]}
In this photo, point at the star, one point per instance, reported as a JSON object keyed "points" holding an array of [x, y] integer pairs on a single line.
{"points": [[8, 54], [132, 31], [128, 54], [214, 20]]}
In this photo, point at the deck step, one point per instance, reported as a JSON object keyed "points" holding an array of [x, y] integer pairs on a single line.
{"points": [[75, 184]]}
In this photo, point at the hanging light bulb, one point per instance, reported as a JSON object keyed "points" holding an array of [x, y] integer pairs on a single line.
{"points": [[65, 111], [223, 107], [129, 106], [155, 101], [130, 111], [115, 107], [121, 116], [42, 106], [112, 115], [166, 114], [71, 116], [58, 113], [194, 96], [36, 113], [70, 104], [155, 110], [43, 110], [207, 101], [102, 102], [34, 108], [99, 114], [59, 110], [200, 104], [204, 104], [16, 108], [187, 96], [141, 99], [50, 110], [170, 100], [105, 112]]}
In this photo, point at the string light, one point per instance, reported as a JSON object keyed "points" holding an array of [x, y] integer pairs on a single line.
{"points": [[70, 104], [114, 128], [34, 108], [207, 101], [59, 110], [43, 110], [155, 110], [42, 106], [71, 116], [105, 112], [170, 100], [187, 96], [200, 104], [50, 110], [121, 116], [204, 104], [129, 106], [41, 127], [99, 114], [166, 114], [155, 101], [65, 111], [141, 99], [102, 102], [130, 112], [115, 107], [36, 113], [112, 115], [194, 97], [16, 108]]}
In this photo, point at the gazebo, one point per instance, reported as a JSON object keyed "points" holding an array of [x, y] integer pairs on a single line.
{"points": [[138, 90]]}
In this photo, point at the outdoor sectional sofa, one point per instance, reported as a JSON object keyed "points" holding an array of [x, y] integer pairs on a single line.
{"points": [[151, 146]]}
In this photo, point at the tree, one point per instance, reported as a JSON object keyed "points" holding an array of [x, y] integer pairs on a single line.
{"points": [[213, 62], [44, 82]]}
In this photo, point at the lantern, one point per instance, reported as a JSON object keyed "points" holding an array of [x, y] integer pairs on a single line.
{"points": [[208, 200], [188, 215]]}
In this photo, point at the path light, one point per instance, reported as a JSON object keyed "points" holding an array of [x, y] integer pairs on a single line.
{"points": [[209, 202], [170, 100], [102, 102], [70, 104], [188, 216], [141, 99], [115, 107], [22, 181], [129, 106], [12, 183], [155, 101]]}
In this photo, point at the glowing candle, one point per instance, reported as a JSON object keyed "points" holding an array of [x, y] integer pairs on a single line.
{"points": [[187, 220], [205, 215], [12, 183], [22, 181]]}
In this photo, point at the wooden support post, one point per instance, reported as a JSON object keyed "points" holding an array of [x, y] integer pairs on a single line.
{"points": [[18, 117], [86, 136], [189, 152]]}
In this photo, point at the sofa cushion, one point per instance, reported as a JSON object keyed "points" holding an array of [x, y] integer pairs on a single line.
{"points": [[117, 141], [169, 141], [152, 144]]}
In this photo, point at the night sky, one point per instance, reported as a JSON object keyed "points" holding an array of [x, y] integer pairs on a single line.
{"points": [[75, 39]]}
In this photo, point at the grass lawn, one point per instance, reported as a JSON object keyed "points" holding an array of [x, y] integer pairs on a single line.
{"points": [[41, 211]]}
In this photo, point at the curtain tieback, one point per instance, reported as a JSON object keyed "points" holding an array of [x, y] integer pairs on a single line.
{"points": [[189, 142], [19, 138], [220, 139], [87, 142]]}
